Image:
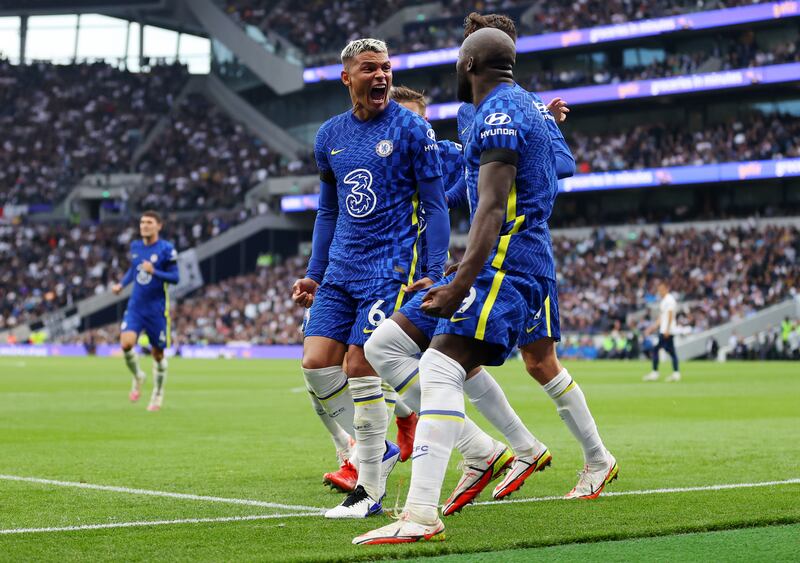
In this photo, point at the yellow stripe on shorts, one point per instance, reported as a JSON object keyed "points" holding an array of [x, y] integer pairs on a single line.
{"points": [[480, 331]]}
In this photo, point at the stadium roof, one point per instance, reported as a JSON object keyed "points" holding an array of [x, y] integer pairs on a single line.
{"points": [[169, 14]]}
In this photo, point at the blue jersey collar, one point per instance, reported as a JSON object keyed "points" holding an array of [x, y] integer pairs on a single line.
{"points": [[495, 90], [382, 115]]}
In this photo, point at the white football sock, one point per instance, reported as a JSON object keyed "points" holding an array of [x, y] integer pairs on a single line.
{"points": [[370, 426], [440, 423], [392, 354], [390, 397], [401, 409], [330, 387], [132, 361], [487, 396], [573, 410], [341, 440], [159, 377]]}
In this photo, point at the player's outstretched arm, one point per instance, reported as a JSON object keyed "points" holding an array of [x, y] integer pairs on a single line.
{"points": [[170, 275], [324, 227], [304, 289], [565, 162], [456, 195], [494, 185], [126, 279], [437, 233]]}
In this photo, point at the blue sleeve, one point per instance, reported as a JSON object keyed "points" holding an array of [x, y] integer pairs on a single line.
{"points": [[437, 232], [324, 227], [565, 162], [170, 275], [169, 260], [456, 195], [425, 156], [128, 277]]}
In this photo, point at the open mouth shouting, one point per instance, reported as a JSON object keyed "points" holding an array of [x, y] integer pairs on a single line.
{"points": [[378, 94]]}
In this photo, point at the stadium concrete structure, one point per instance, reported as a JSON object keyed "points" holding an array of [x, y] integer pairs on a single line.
{"points": [[685, 127]]}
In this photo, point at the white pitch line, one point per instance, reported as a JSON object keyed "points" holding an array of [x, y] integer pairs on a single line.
{"points": [[167, 494], [310, 511], [154, 523], [656, 491]]}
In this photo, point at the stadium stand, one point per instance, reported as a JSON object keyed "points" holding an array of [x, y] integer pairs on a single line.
{"points": [[320, 29], [735, 54], [752, 136], [99, 115], [44, 267], [604, 280], [205, 160]]}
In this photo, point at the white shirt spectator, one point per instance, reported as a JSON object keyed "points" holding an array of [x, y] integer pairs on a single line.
{"points": [[667, 310]]}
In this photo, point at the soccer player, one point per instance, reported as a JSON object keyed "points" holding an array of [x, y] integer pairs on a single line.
{"points": [[540, 363], [667, 309], [505, 284], [378, 163], [153, 266], [394, 348]]}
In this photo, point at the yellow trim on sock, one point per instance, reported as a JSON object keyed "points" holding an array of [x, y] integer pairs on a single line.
{"points": [[405, 387], [569, 388], [371, 402], [339, 392], [442, 417]]}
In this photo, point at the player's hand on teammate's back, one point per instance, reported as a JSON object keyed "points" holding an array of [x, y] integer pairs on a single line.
{"points": [[443, 301], [116, 288], [148, 267], [419, 285], [303, 292], [452, 269], [559, 109]]}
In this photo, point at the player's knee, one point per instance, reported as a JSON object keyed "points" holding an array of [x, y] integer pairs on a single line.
{"points": [[541, 363], [376, 349], [357, 365], [315, 362], [389, 343]]}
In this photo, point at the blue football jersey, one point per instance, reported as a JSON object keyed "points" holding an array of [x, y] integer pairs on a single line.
{"points": [[466, 114], [506, 119], [377, 165], [452, 155], [150, 293], [464, 119]]}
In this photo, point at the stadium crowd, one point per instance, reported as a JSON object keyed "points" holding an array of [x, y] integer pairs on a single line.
{"points": [[718, 275], [251, 309], [734, 55], [755, 136], [320, 29], [60, 122], [205, 160], [44, 267], [777, 343], [602, 280]]}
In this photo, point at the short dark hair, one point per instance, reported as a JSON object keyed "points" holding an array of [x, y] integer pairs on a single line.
{"points": [[476, 21], [154, 214], [405, 94]]}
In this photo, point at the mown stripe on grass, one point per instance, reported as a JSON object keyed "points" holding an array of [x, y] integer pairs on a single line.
{"points": [[795, 481], [154, 523], [182, 496]]}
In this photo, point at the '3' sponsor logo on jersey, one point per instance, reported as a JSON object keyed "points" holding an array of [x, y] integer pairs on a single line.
{"points": [[361, 200]]}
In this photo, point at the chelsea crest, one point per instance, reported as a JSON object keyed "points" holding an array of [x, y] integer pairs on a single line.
{"points": [[384, 148]]}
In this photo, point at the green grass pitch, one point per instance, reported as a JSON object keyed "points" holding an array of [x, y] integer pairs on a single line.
{"points": [[244, 430]]}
